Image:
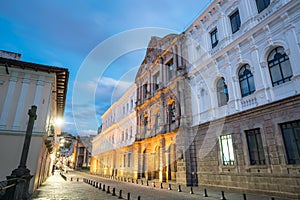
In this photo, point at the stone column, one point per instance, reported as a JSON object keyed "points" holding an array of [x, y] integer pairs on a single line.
{"points": [[22, 173], [8, 99], [162, 161], [21, 101], [136, 160], [293, 51]]}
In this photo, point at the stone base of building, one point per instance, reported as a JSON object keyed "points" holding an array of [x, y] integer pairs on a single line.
{"points": [[276, 176]]}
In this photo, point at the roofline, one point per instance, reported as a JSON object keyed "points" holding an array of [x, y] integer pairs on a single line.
{"points": [[62, 78]]}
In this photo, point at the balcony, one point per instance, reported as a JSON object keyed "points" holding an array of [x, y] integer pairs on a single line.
{"points": [[249, 102]]}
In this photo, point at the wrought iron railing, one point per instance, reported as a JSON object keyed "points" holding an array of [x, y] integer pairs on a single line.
{"points": [[6, 187]]}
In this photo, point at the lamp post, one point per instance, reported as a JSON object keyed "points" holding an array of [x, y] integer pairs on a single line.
{"points": [[21, 175]]}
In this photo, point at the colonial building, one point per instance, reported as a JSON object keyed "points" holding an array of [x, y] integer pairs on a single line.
{"points": [[23, 84], [82, 151], [245, 76], [161, 111], [219, 105], [112, 148]]}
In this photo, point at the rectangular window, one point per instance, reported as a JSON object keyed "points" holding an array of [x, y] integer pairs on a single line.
{"points": [[129, 158], [214, 37], [156, 81], [145, 90], [255, 147], [227, 150], [262, 4], [131, 104], [81, 150], [291, 137], [235, 21], [124, 160], [171, 69]]}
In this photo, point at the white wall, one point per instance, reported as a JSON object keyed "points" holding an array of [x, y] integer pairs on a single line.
{"points": [[277, 25]]}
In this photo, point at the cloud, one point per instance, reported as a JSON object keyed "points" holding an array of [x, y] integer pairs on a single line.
{"points": [[87, 132], [65, 38]]}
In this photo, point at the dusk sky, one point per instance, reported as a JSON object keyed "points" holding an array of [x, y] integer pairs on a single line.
{"points": [[81, 35]]}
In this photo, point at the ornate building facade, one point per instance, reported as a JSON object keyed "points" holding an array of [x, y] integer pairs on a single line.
{"points": [[245, 77], [160, 110], [219, 104]]}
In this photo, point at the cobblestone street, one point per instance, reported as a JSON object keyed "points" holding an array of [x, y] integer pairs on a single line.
{"points": [[56, 188]]}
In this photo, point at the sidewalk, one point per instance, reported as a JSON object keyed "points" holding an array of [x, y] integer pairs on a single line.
{"points": [[56, 188]]}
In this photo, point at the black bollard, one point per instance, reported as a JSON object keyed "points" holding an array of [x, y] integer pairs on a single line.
{"points": [[244, 196], [137, 181], [132, 180], [120, 195], [128, 196], [179, 188], [96, 185], [100, 187], [142, 182], [103, 187], [147, 183], [191, 191], [169, 188], [114, 192], [272, 198], [223, 195], [108, 192], [77, 179], [71, 179], [153, 184], [139, 198], [161, 185], [205, 193]]}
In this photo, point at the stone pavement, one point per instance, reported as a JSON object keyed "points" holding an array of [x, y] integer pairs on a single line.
{"points": [[149, 192], [56, 188]]}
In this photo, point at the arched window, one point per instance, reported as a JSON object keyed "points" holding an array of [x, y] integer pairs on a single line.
{"points": [[246, 81], [279, 66], [222, 92]]}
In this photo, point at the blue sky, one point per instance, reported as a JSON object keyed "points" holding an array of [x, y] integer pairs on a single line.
{"points": [[70, 33]]}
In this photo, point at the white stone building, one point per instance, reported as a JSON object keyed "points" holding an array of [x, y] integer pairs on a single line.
{"points": [[241, 57], [112, 146], [23, 84], [245, 78]]}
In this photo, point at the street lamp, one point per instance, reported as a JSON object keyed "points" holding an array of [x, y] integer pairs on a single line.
{"points": [[59, 121]]}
